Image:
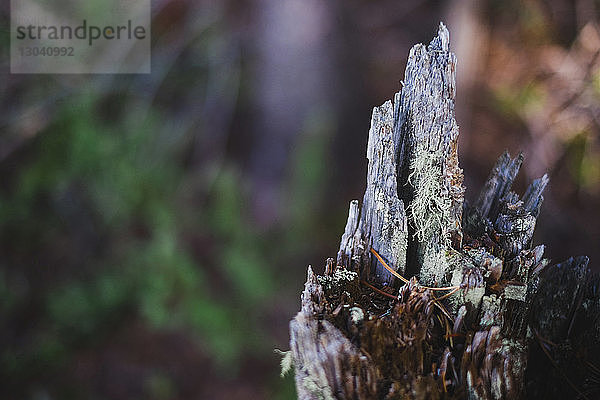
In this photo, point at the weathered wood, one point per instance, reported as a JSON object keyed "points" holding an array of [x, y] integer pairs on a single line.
{"points": [[382, 223], [323, 356], [413, 160], [431, 178], [357, 337]]}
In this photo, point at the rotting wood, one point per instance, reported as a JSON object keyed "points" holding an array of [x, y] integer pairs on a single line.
{"points": [[507, 326]]}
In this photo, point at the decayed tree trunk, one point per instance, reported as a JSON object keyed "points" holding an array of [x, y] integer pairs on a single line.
{"points": [[483, 316]]}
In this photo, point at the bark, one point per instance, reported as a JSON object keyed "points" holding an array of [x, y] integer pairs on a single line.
{"points": [[506, 326]]}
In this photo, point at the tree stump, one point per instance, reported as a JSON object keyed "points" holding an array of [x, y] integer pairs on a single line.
{"points": [[484, 315]]}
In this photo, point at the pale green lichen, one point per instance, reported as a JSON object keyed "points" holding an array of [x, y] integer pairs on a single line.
{"points": [[490, 310], [320, 391], [341, 275], [430, 209], [472, 295], [287, 361], [481, 257], [516, 292], [430, 212], [357, 314], [434, 264]]}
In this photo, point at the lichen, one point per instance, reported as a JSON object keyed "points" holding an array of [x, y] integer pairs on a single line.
{"points": [[430, 208], [320, 390], [340, 278], [357, 314], [516, 292], [490, 311], [287, 361]]}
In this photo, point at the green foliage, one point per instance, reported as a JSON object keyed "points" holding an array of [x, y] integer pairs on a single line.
{"points": [[79, 310], [102, 230], [583, 161], [132, 191], [286, 388], [518, 104]]}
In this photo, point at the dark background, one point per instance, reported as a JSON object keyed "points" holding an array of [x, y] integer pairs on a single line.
{"points": [[155, 229]]}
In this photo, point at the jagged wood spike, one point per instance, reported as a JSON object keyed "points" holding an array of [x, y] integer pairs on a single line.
{"points": [[412, 151], [381, 222], [383, 219], [498, 185], [430, 176], [347, 243], [533, 198]]}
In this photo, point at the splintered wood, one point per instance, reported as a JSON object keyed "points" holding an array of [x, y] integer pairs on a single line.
{"points": [[467, 307]]}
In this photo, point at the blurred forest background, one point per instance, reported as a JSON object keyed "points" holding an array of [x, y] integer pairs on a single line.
{"points": [[155, 229]]}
